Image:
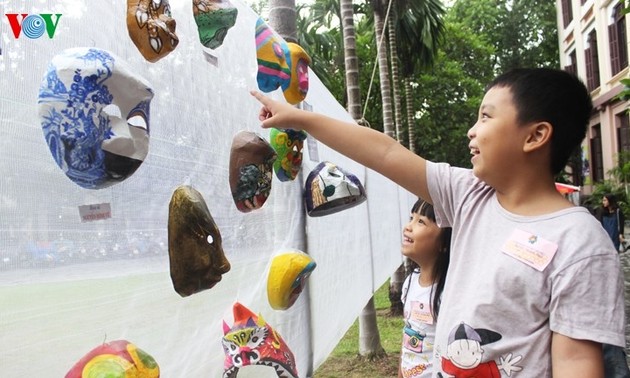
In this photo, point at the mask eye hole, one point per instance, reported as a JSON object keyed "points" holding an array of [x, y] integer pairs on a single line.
{"points": [[137, 121]]}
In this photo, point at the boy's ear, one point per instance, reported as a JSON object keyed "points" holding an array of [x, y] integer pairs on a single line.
{"points": [[539, 136]]}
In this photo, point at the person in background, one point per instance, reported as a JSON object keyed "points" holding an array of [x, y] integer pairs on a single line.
{"points": [[428, 247], [612, 219]]}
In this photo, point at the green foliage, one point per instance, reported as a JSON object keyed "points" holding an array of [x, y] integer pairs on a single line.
{"points": [[621, 173], [619, 185], [323, 44], [419, 30], [607, 187], [625, 92], [258, 5], [523, 32], [624, 10], [481, 38], [449, 95]]}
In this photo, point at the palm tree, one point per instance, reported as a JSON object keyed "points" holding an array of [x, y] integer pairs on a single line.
{"points": [[283, 18], [414, 30], [351, 60], [393, 56], [419, 29], [317, 31], [369, 336], [381, 12]]}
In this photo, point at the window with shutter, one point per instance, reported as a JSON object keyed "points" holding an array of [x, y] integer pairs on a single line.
{"points": [[567, 12], [623, 127], [622, 46], [614, 49], [590, 83], [592, 41], [572, 66], [597, 162]]}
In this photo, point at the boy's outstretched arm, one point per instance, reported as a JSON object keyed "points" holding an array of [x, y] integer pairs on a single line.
{"points": [[369, 147], [572, 358]]}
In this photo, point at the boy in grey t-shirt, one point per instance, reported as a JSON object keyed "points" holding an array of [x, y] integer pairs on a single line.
{"points": [[510, 289], [534, 287]]}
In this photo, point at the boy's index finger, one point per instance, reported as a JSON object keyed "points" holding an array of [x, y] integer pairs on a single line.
{"points": [[259, 96]]}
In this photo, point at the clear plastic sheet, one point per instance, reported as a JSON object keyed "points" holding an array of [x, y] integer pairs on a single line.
{"points": [[67, 286]]}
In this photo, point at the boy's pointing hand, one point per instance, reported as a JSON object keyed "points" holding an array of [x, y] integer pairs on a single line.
{"points": [[277, 114]]}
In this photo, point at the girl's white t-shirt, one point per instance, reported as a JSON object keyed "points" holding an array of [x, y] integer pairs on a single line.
{"points": [[419, 330]]}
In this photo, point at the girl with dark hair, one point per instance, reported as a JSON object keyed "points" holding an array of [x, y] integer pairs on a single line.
{"points": [[612, 219], [428, 246]]}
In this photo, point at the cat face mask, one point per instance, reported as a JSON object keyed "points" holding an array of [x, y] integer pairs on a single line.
{"points": [[251, 341], [94, 112]]}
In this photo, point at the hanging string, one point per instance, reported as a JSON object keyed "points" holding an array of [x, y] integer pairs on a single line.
{"points": [[380, 42]]}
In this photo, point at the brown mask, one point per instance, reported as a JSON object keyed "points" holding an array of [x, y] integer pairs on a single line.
{"points": [[194, 243], [151, 28], [251, 167]]}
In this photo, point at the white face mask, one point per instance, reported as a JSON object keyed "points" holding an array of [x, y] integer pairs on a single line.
{"points": [[330, 189], [94, 112]]}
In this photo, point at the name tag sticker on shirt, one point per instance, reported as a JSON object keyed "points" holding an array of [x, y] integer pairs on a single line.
{"points": [[421, 312], [530, 249]]}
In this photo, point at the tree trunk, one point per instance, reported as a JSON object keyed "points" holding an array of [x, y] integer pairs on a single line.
{"points": [[395, 291], [411, 120], [282, 18], [393, 54], [369, 338], [383, 70], [351, 60]]}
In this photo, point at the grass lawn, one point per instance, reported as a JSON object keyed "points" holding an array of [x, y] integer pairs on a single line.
{"points": [[345, 362]]}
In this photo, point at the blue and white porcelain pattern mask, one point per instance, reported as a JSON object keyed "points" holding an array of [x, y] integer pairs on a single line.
{"points": [[94, 112]]}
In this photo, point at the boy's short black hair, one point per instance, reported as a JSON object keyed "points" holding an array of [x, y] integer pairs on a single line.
{"points": [[554, 96]]}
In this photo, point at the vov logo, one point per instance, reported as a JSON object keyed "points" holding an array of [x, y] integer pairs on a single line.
{"points": [[33, 26]]}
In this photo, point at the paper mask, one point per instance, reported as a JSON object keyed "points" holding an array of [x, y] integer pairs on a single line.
{"points": [[116, 359], [329, 189], [151, 28], [280, 64], [213, 18], [194, 244], [94, 112], [251, 341], [298, 86], [288, 144], [251, 165], [287, 278]]}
